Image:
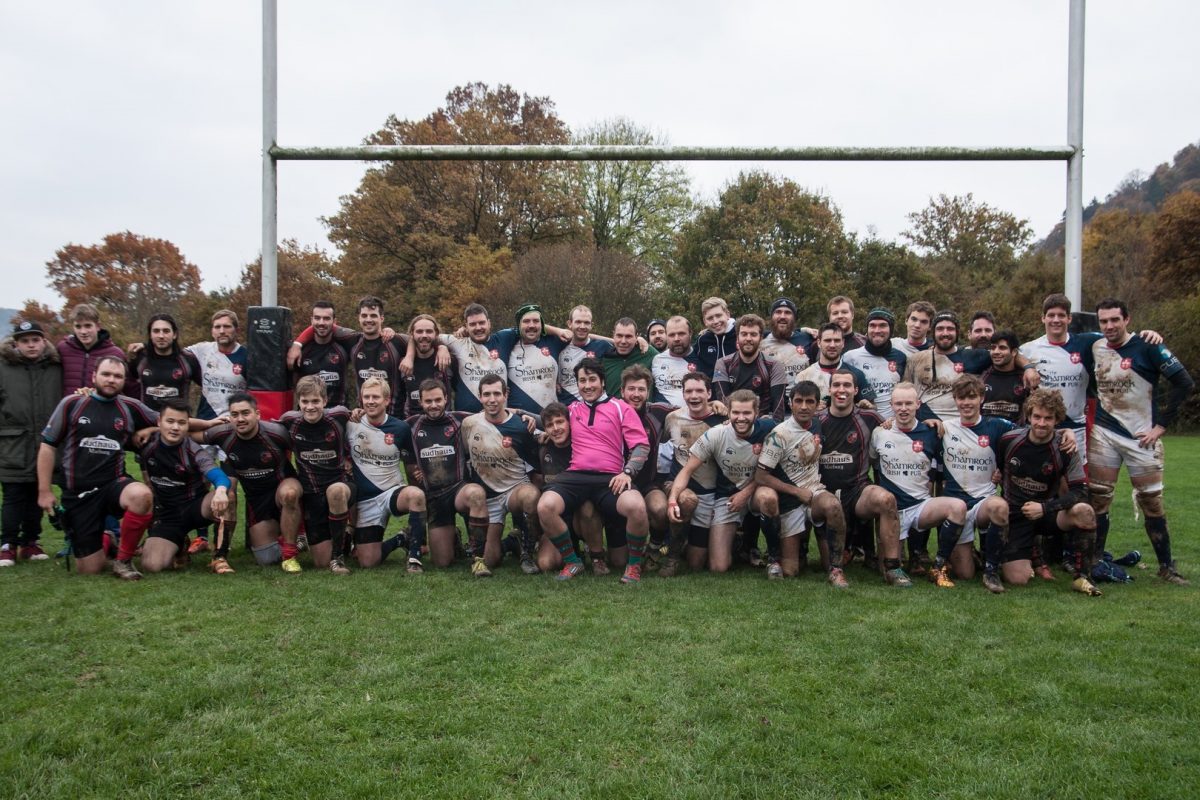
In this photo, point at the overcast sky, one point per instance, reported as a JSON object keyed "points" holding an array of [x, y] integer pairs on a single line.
{"points": [[147, 116]]}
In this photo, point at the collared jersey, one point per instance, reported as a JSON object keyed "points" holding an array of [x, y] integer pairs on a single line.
{"points": [[438, 450], [793, 454], [532, 371], [970, 455], [904, 460], [321, 449], [260, 462], [502, 455], [882, 373], [735, 458], [1065, 367], [602, 433], [1127, 383], [176, 472], [1034, 472], [221, 374], [377, 453], [934, 373], [845, 447], [669, 371], [570, 355], [792, 354], [906, 347], [91, 432]]}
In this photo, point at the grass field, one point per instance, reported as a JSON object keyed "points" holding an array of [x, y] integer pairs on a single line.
{"points": [[382, 684]]}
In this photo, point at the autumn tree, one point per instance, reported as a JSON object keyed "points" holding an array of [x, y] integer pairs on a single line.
{"points": [[127, 277], [635, 206], [406, 218], [50, 320], [1117, 253], [969, 245], [765, 237], [560, 276], [305, 275], [890, 275], [1175, 241]]}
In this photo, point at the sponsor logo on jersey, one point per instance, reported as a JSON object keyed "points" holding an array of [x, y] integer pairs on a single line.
{"points": [[161, 391], [437, 451], [100, 443], [318, 455], [329, 377]]}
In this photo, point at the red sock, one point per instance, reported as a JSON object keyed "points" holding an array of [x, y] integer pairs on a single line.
{"points": [[132, 527], [288, 549]]}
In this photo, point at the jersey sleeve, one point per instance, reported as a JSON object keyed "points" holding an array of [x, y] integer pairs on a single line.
{"points": [[721, 382], [217, 433], [773, 449], [632, 430], [143, 415], [56, 426]]}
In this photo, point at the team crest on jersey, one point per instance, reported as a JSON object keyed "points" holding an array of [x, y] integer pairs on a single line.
{"points": [[985, 441], [334, 358], [450, 429], [958, 367], [330, 436], [176, 374], [237, 369], [265, 458], [918, 447], [494, 354], [420, 434], [851, 438], [118, 424], [757, 382], [361, 355], [817, 439], [1076, 358], [799, 349], [390, 439], [757, 448], [892, 366], [506, 442], [384, 357], [179, 469], [546, 351], [1047, 468], [1126, 363], [692, 368]]}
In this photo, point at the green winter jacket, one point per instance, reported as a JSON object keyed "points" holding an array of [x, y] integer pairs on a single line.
{"points": [[29, 393]]}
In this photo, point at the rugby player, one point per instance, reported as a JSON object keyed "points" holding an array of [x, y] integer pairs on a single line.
{"points": [[734, 450], [163, 369], [917, 319], [671, 365], [1034, 468], [176, 468], [555, 456], [603, 430], [691, 517], [322, 452], [845, 433], [905, 457], [1130, 424], [785, 343], [719, 337], [636, 385], [626, 352], [656, 334], [749, 368], [258, 456], [426, 358], [222, 365], [981, 330], [379, 444], [841, 313], [583, 344], [880, 363], [1004, 389], [91, 432], [440, 466], [502, 450], [830, 341], [790, 465]]}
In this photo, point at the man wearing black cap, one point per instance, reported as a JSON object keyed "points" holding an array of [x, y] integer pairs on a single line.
{"points": [[880, 363], [935, 370], [785, 344], [30, 387], [656, 333]]}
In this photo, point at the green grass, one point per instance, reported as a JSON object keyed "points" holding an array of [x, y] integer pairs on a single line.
{"points": [[383, 685]]}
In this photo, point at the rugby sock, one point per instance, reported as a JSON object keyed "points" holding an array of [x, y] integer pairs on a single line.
{"points": [[221, 541], [287, 549], [835, 540], [750, 529], [416, 533], [1084, 543], [637, 547], [388, 545], [770, 530], [918, 542], [132, 527], [891, 563], [947, 537], [337, 533], [1156, 529], [1102, 523], [476, 536], [563, 543], [677, 539], [992, 547], [531, 530]]}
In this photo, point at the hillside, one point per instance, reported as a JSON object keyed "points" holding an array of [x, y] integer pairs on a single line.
{"points": [[1140, 192]]}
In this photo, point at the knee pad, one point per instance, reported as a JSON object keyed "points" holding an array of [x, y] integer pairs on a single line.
{"points": [[268, 554], [1149, 499], [1100, 495]]}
